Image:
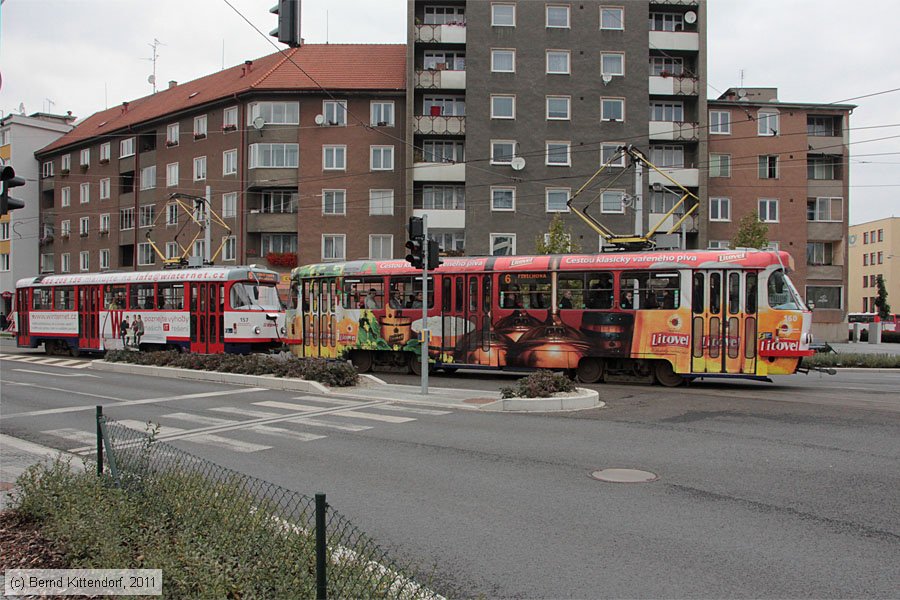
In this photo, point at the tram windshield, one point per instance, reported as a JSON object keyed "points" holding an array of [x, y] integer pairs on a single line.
{"points": [[782, 294], [254, 296]]}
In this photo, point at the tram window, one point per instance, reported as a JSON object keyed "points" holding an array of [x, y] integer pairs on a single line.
{"points": [[751, 293], [40, 299], [715, 293], [171, 296], [734, 293], [364, 292], [64, 298], [570, 291], [697, 294], [486, 299], [459, 293], [295, 296], [446, 290], [650, 291], [525, 290], [473, 294], [142, 296], [600, 291], [410, 289], [115, 297], [782, 296]]}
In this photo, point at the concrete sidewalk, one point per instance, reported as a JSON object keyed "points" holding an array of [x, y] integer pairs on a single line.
{"points": [[865, 348], [16, 456]]}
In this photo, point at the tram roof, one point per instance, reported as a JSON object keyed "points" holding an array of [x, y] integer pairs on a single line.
{"points": [[682, 259], [168, 275]]}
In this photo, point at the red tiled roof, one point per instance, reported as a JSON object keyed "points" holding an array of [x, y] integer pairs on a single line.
{"points": [[335, 67]]}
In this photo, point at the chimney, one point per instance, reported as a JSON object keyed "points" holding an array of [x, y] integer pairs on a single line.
{"points": [[248, 64], [172, 84], [124, 107]]}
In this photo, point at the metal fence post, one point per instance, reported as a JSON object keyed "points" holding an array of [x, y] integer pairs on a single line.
{"points": [[321, 549], [99, 441]]}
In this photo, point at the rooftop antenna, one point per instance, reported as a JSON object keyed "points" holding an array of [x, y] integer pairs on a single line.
{"points": [[742, 78], [326, 27], [155, 45], [50, 105]]}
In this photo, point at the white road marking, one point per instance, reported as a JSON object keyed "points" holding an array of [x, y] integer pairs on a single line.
{"points": [[210, 440], [374, 417], [202, 420], [288, 406], [76, 435], [142, 427], [57, 374], [288, 433], [245, 412], [417, 411], [329, 424]]}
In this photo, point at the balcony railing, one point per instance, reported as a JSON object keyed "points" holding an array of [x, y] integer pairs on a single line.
{"points": [[437, 34], [684, 131], [441, 79], [674, 85], [428, 125]]}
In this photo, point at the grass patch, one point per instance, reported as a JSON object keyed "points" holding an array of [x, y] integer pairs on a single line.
{"points": [[866, 361]]}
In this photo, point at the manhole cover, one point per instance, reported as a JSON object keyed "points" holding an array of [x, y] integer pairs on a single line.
{"points": [[624, 476]]}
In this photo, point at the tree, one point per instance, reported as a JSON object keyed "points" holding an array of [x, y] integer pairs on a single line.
{"points": [[751, 233], [884, 309], [557, 240]]}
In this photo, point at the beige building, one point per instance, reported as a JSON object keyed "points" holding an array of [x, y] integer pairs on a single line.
{"points": [[874, 251]]}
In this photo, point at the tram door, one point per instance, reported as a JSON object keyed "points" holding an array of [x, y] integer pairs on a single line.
{"points": [[319, 304], [90, 303], [724, 322], [22, 310], [454, 323], [207, 317]]}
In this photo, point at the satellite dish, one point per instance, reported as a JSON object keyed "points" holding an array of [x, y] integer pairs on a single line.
{"points": [[690, 17], [852, 239], [258, 123], [742, 93], [151, 79], [518, 163], [606, 78], [627, 201], [320, 119]]}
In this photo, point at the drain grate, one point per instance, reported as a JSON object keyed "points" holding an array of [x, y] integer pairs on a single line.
{"points": [[624, 476]]}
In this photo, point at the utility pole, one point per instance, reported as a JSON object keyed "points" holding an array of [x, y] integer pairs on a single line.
{"points": [[207, 227], [638, 197], [426, 333]]}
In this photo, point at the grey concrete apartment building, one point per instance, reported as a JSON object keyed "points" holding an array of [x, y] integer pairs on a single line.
{"points": [[514, 105]]}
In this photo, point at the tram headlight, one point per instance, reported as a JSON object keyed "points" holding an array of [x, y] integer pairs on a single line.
{"points": [[257, 330], [283, 331]]}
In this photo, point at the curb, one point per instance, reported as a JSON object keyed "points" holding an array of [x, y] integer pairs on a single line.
{"points": [[584, 399]]}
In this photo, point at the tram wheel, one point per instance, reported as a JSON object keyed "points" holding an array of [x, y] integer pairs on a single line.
{"points": [[414, 363], [362, 360], [590, 370], [666, 375]]}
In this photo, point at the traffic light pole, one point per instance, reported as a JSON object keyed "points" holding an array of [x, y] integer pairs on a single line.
{"points": [[426, 333]]}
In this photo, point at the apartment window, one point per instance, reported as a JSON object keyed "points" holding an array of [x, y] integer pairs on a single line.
{"points": [[334, 202], [865, 260], [826, 209], [4, 262], [558, 154], [66, 163], [449, 106], [720, 122], [172, 134], [819, 253], [381, 247], [65, 228], [503, 244], [503, 199], [612, 109], [84, 261], [824, 126], [768, 167], [64, 261], [720, 165], [449, 240], [825, 296], [503, 15], [200, 168], [276, 113], [503, 107], [230, 118], [229, 205], [334, 158], [767, 123], [443, 197], [865, 236], [84, 226], [445, 15], [720, 209], [85, 193], [104, 259], [558, 17], [667, 156], [126, 148], [47, 169], [558, 62], [880, 257], [4, 231], [666, 66], [608, 152], [612, 64], [200, 127], [335, 112], [557, 199], [612, 17], [381, 202], [444, 60], [229, 249], [719, 244], [172, 250], [65, 196], [437, 151], [503, 61], [104, 223], [558, 108], [146, 256], [200, 249], [823, 167], [381, 114], [660, 21], [768, 210], [148, 177], [502, 152], [104, 188], [147, 215], [667, 111], [85, 157], [880, 231], [171, 174], [334, 246], [126, 219], [229, 162], [274, 156], [171, 215], [612, 201], [382, 158], [279, 201]]}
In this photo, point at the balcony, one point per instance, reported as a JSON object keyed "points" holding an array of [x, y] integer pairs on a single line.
{"points": [[271, 222], [445, 172], [443, 219], [686, 41], [440, 79], [687, 177], [674, 85], [674, 130], [441, 34], [819, 272], [821, 144], [666, 223], [428, 125], [825, 231]]}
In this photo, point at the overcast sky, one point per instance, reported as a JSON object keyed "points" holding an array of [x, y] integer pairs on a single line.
{"points": [[85, 55]]}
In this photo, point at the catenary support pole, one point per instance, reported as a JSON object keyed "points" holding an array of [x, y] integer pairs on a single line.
{"points": [[99, 440], [426, 333], [321, 548]]}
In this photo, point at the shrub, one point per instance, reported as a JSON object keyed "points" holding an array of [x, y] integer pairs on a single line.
{"points": [[540, 384], [871, 361]]}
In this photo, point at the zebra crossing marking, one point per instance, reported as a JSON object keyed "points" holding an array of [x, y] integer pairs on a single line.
{"points": [[50, 362]]}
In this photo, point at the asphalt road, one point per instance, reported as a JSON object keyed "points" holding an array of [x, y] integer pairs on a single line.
{"points": [[765, 490]]}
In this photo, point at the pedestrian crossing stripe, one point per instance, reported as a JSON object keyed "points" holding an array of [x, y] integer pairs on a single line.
{"points": [[50, 362]]}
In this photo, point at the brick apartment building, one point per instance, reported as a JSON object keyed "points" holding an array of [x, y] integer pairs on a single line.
{"points": [[874, 251], [295, 172]]}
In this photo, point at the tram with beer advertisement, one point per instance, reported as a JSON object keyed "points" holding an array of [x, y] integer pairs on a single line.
{"points": [[654, 316], [205, 310]]}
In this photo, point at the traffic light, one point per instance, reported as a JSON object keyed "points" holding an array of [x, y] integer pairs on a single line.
{"points": [[416, 253], [416, 228], [8, 174], [434, 255], [288, 30]]}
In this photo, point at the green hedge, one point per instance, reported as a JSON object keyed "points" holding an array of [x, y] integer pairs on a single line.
{"points": [[871, 361], [330, 372], [540, 384]]}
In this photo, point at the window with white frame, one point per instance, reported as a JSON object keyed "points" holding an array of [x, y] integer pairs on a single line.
{"points": [[612, 109], [4, 231], [503, 15], [612, 201], [335, 112], [503, 60], [104, 188], [381, 247], [147, 215], [173, 133], [502, 152], [281, 243], [557, 199], [825, 296], [826, 209], [229, 205], [819, 253], [720, 165], [667, 156], [334, 202], [84, 226], [171, 174], [720, 209], [503, 244], [85, 157], [172, 250], [171, 214], [47, 169], [334, 158], [443, 151], [612, 17], [334, 246], [229, 249], [720, 122], [148, 177], [105, 152], [558, 154], [65, 228], [381, 202], [84, 260], [200, 127], [146, 255], [382, 158], [104, 223], [446, 106], [230, 118], [666, 66], [608, 152], [279, 201], [126, 148], [274, 156], [503, 106], [381, 113], [449, 239], [612, 63], [445, 15], [503, 199], [104, 259], [126, 218], [665, 21], [768, 210], [66, 163], [558, 62], [275, 113], [85, 193], [65, 196], [768, 166], [199, 248], [661, 202], [667, 111], [200, 168], [719, 244], [4, 261], [229, 162], [767, 123], [64, 263], [47, 262], [442, 197], [444, 60], [559, 108], [557, 16]]}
